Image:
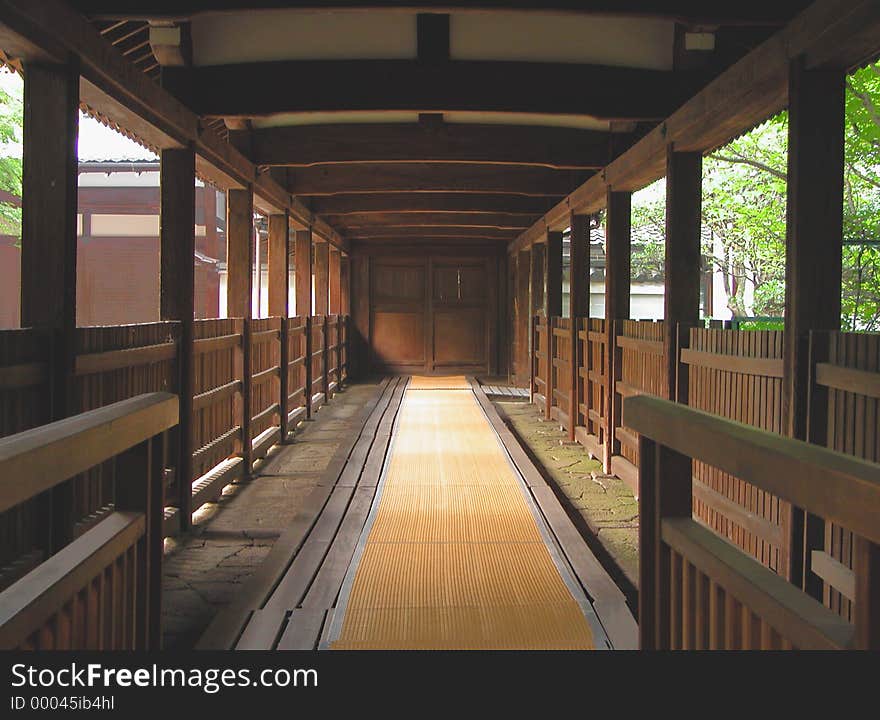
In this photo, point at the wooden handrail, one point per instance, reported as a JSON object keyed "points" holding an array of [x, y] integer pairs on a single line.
{"points": [[36, 460], [789, 611], [25, 604], [829, 484]]}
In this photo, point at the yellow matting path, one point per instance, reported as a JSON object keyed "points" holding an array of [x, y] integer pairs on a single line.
{"points": [[454, 558]]}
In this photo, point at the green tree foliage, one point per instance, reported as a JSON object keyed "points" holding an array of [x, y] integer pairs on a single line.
{"points": [[744, 204], [10, 164]]}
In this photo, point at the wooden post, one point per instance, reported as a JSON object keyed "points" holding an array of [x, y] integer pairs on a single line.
{"points": [[303, 266], [279, 264], [536, 301], [177, 219], [48, 249], [553, 274], [617, 288], [359, 340], [524, 322], [549, 383], [139, 489], [239, 291], [303, 275], [579, 306], [308, 365], [325, 358], [866, 604], [682, 265], [322, 278], [335, 281], [279, 282], [345, 286], [665, 491], [814, 239], [553, 308]]}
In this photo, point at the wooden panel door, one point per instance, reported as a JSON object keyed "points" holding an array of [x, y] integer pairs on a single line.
{"points": [[460, 301], [398, 315]]}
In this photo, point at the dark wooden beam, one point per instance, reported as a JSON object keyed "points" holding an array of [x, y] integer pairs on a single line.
{"points": [[428, 177], [48, 253], [246, 89], [682, 262], [303, 265], [435, 232], [496, 221], [746, 12], [279, 264], [551, 147], [177, 217], [337, 206], [553, 274], [618, 241], [239, 252], [52, 31], [813, 248], [432, 33]]}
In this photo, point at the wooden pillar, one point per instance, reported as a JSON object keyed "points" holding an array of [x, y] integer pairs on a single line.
{"points": [[335, 281], [553, 308], [303, 268], [684, 176], [359, 340], [617, 288], [279, 264], [48, 249], [345, 285], [813, 247], [322, 278], [177, 217], [239, 292], [522, 358], [536, 306], [279, 282], [553, 274], [579, 306]]}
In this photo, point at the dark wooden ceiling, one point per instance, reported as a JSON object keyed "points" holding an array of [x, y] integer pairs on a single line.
{"points": [[377, 178]]}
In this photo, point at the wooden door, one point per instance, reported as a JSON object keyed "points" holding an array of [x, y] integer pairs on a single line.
{"points": [[459, 330], [398, 316], [432, 315]]}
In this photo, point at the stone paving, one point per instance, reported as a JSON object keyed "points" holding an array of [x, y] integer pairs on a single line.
{"points": [[605, 505], [204, 570]]}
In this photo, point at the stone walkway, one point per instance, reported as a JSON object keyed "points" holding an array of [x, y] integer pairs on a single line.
{"points": [[606, 507], [205, 569]]}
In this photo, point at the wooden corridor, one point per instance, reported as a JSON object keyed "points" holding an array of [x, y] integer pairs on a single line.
{"points": [[453, 556], [416, 182], [438, 533]]}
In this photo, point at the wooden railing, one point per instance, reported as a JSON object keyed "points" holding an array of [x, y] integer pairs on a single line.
{"points": [[103, 590], [319, 393], [639, 368], [735, 374], [697, 590], [265, 394], [25, 402], [115, 363], [844, 416], [118, 362]]}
